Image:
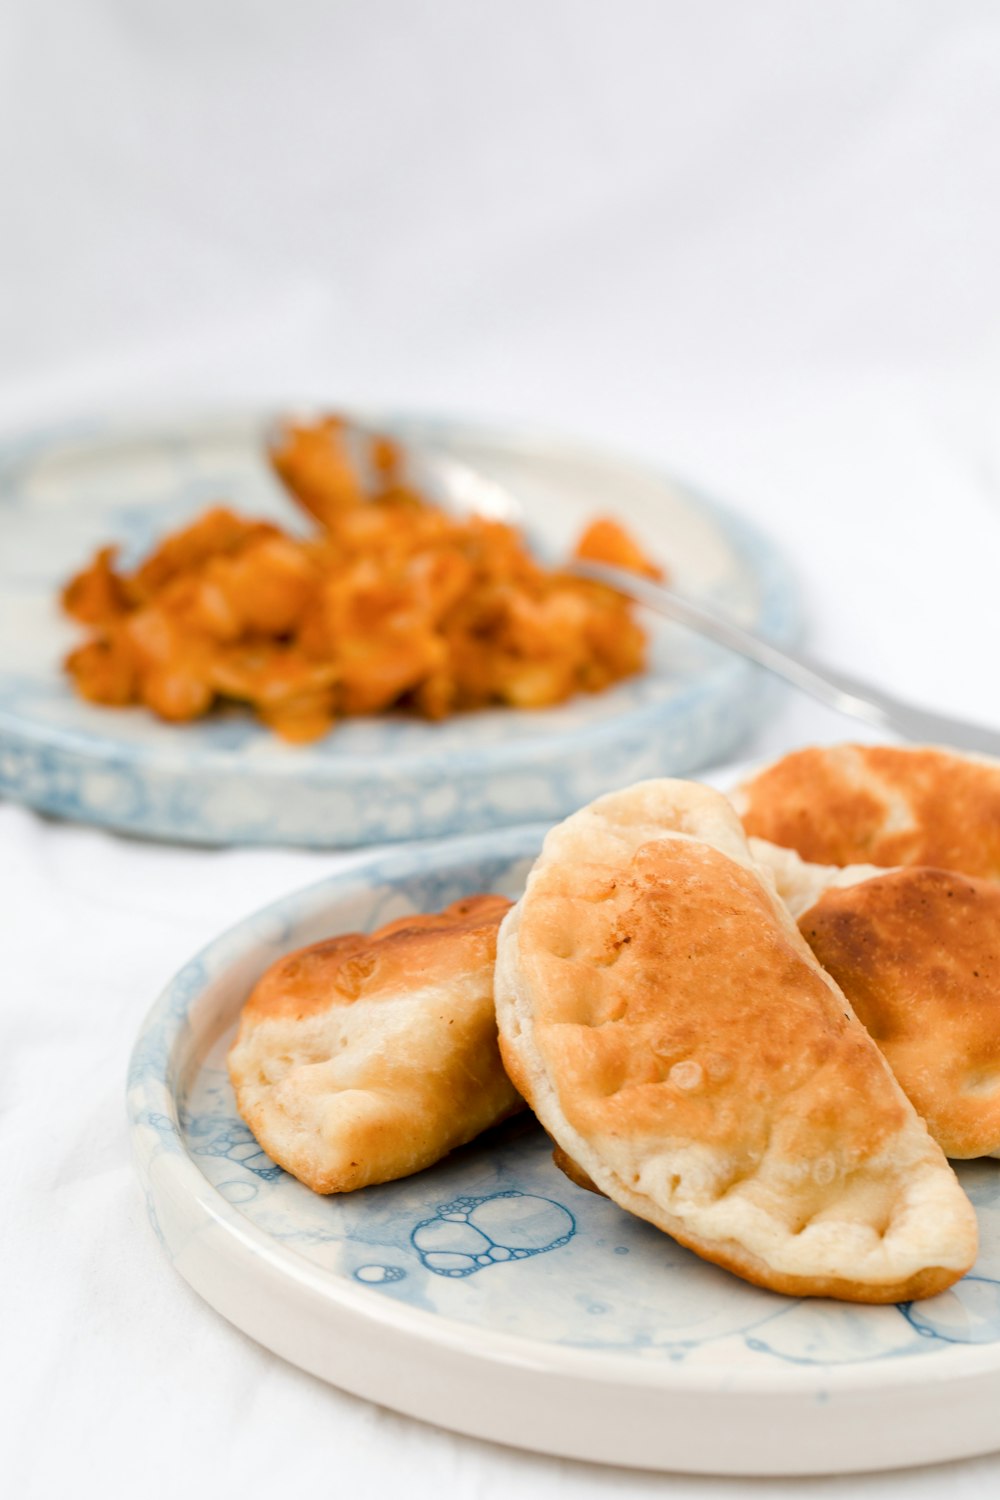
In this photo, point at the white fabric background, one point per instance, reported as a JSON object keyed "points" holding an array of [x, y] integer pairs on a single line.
{"points": [[757, 243]]}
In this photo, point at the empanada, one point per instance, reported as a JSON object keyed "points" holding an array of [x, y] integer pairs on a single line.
{"points": [[917, 953], [664, 1018], [880, 805], [368, 1057]]}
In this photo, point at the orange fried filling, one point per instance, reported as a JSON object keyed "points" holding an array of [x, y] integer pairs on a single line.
{"points": [[391, 603]]}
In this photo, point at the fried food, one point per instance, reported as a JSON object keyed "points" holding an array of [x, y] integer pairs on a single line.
{"points": [[917, 952], [662, 1015], [880, 805], [367, 1057], [389, 603]]}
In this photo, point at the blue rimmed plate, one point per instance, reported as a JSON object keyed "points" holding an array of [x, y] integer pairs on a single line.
{"points": [[492, 1296], [226, 779]]}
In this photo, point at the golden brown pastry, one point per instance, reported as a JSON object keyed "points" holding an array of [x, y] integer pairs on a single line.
{"points": [[368, 1057], [664, 1018], [917, 953], [880, 805]]}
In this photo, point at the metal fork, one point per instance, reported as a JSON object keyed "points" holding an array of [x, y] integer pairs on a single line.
{"points": [[839, 690], [461, 487]]}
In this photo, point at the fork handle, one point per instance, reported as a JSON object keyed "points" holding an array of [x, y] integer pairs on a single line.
{"points": [[850, 695]]}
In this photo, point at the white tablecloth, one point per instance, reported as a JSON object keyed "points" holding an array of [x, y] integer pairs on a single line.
{"points": [[758, 244]]}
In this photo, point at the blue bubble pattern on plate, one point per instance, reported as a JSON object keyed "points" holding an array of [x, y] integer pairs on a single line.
{"points": [[495, 1237]]}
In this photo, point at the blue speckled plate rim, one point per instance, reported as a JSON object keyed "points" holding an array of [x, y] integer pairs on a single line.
{"points": [[779, 618], [151, 1092]]}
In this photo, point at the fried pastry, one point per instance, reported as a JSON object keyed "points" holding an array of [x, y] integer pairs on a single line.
{"points": [[880, 805], [661, 1013], [367, 1057], [917, 953]]}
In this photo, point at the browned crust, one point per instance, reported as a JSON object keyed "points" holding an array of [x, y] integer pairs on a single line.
{"points": [[917, 952], [732, 1257], [339, 970], [882, 805], [602, 977], [438, 1083], [744, 1001], [369, 1169], [571, 1169]]}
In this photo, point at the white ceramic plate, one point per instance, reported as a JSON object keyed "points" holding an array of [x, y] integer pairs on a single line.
{"points": [[492, 1296], [226, 779]]}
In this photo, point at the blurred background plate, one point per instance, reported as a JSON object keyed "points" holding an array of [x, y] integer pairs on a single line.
{"points": [[493, 1296], [226, 779]]}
